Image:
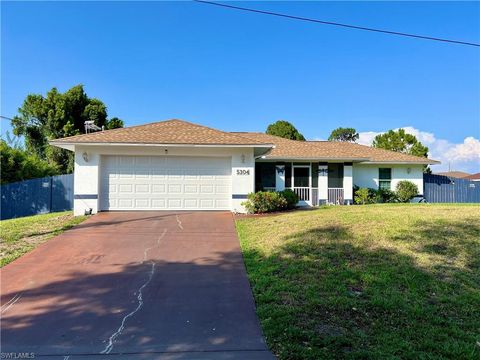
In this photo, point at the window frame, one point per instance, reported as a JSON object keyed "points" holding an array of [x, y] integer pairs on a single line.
{"points": [[385, 179]]}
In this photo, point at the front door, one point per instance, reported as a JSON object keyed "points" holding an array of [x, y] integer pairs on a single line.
{"points": [[301, 183]]}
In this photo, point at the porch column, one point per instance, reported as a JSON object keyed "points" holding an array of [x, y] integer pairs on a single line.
{"points": [[348, 183], [279, 177], [322, 183]]}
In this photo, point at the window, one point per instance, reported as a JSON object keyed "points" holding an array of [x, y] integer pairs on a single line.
{"points": [[385, 178], [264, 176], [335, 175]]}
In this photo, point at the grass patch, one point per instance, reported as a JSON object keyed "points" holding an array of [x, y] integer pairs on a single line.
{"points": [[19, 236], [375, 281]]}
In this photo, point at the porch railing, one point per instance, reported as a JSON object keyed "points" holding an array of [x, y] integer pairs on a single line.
{"points": [[335, 196], [303, 193]]}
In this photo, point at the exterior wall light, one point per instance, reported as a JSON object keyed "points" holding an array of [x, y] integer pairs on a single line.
{"points": [[85, 156], [242, 157]]}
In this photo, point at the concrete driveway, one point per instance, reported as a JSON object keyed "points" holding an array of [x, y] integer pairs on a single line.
{"points": [[136, 285]]}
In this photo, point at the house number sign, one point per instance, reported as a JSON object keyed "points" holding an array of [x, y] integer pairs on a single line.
{"points": [[243, 172]]}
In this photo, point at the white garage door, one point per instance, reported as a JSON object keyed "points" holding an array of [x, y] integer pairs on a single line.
{"points": [[165, 183]]}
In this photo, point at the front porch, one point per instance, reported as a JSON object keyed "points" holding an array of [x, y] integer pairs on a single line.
{"points": [[314, 183]]}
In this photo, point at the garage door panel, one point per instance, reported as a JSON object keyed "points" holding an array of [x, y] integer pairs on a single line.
{"points": [[125, 188], [190, 189], [159, 182], [206, 189], [158, 204], [125, 203], [222, 189], [191, 203], [158, 189], [142, 203], [174, 203], [222, 204], [142, 188]]}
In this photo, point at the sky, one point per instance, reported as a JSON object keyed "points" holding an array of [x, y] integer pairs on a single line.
{"points": [[237, 71]]}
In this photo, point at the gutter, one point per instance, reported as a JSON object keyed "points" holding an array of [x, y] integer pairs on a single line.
{"points": [[68, 145]]}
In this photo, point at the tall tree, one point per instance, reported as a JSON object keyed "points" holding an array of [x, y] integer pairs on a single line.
{"points": [[402, 142], [114, 123], [56, 115], [285, 130], [344, 134]]}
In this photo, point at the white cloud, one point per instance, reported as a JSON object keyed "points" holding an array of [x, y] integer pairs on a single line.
{"points": [[464, 156]]}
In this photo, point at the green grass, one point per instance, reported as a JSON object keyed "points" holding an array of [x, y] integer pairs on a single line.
{"points": [[21, 235], [398, 281]]}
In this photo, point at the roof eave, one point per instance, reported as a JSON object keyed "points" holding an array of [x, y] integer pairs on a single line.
{"points": [[316, 159], [426, 162], [71, 145]]}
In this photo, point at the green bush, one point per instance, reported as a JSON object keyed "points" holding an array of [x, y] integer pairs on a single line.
{"points": [[406, 190], [291, 197], [268, 201], [364, 196], [386, 196], [18, 165]]}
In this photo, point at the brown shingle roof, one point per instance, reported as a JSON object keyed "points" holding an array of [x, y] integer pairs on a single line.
{"points": [[328, 150], [454, 174], [164, 132], [182, 132], [472, 177]]}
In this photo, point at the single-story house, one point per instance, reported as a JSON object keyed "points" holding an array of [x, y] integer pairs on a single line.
{"points": [[473, 177], [178, 165], [454, 174]]}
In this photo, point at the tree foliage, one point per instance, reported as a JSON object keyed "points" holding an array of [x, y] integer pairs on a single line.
{"points": [[18, 165], [285, 130], [400, 141], [57, 115], [344, 134], [114, 123]]}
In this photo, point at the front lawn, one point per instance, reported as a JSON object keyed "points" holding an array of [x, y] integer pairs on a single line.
{"points": [[370, 282], [21, 235]]}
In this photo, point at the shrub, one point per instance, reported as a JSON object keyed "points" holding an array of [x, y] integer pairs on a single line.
{"points": [[386, 196], [406, 190], [18, 165], [363, 196], [268, 201], [291, 197]]}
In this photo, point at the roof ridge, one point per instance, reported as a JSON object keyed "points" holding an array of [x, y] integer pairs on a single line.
{"points": [[154, 130]]}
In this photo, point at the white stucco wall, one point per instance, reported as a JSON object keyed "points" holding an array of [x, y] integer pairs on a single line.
{"points": [[322, 183], [348, 184], [87, 182], [242, 183], [366, 175]]}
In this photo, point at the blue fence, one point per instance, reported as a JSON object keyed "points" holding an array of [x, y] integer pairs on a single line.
{"points": [[37, 196], [444, 189]]}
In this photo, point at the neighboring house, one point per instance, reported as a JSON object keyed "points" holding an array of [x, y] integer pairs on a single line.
{"points": [[177, 165], [454, 174], [473, 177]]}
